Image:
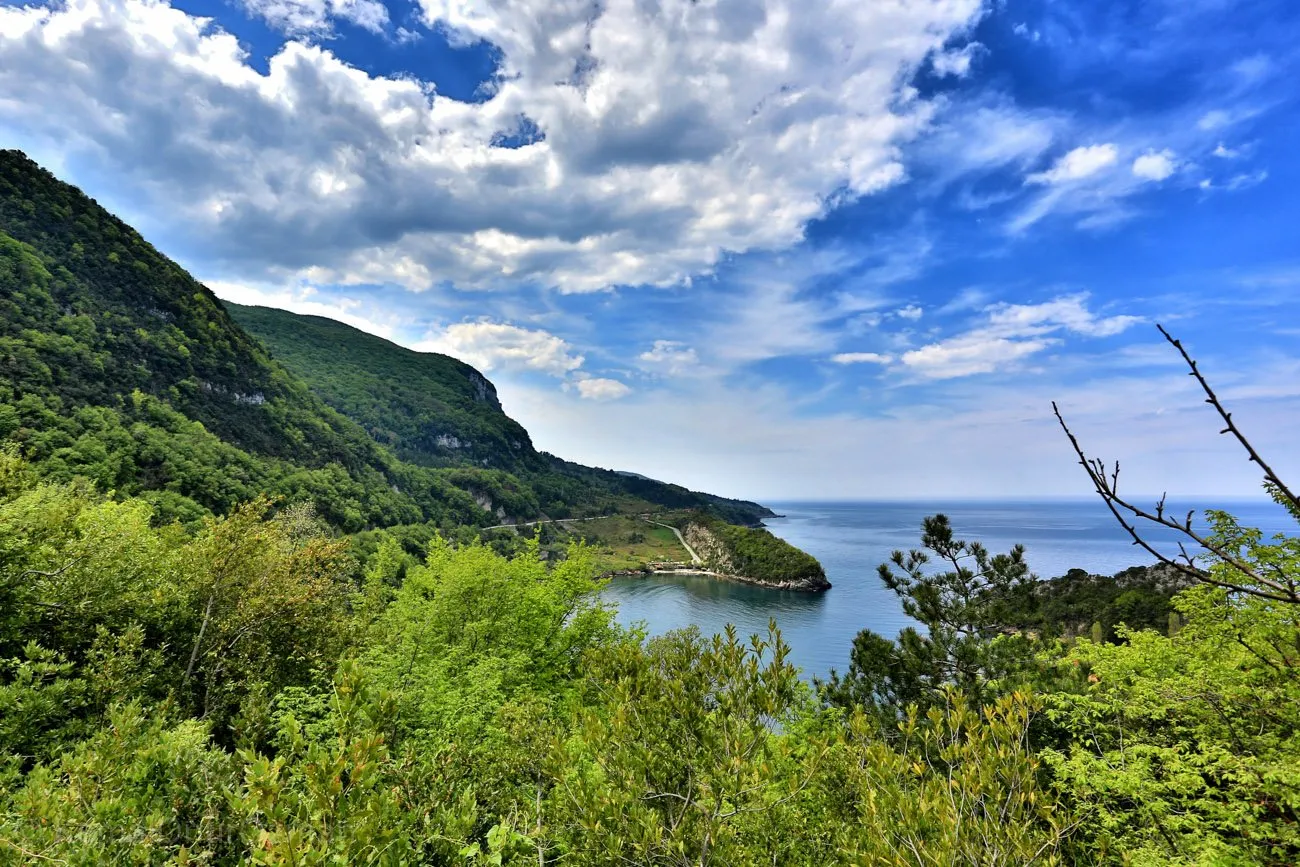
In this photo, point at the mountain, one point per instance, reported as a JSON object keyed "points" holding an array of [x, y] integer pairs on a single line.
{"points": [[429, 409], [437, 411], [119, 367]]}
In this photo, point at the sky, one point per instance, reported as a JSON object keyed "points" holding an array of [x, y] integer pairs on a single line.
{"points": [[765, 248]]}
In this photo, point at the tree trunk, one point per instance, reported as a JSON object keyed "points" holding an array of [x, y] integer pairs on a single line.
{"points": [[198, 640]]}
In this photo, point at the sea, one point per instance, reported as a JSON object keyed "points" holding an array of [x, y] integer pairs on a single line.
{"points": [[851, 539]]}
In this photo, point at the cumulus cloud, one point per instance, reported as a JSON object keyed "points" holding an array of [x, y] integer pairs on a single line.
{"points": [[491, 345], [1080, 163], [671, 356], [1154, 166], [861, 358], [671, 133], [602, 389], [956, 63], [315, 17], [1011, 332], [911, 312]]}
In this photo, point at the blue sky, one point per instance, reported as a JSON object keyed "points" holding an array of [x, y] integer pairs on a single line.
{"points": [[770, 249]]}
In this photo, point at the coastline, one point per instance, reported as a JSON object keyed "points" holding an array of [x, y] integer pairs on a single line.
{"points": [[798, 586]]}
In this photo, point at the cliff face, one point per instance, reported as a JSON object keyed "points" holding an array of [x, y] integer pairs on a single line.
{"points": [[753, 557], [712, 552]]}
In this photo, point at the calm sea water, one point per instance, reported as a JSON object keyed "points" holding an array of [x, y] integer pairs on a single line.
{"points": [[852, 539]]}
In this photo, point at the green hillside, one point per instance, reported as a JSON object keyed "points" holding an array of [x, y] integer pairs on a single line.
{"points": [[430, 409], [117, 366], [436, 411]]}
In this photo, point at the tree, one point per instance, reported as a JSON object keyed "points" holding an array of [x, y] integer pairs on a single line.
{"points": [[1182, 748], [962, 645]]}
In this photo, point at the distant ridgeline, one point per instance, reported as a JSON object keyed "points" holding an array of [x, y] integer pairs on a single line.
{"points": [[117, 366]]}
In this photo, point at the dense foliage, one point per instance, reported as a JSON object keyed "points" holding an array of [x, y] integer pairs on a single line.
{"points": [[1077, 602], [246, 691], [430, 409], [1178, 744]]}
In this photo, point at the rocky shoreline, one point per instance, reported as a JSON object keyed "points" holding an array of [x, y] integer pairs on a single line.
{"points": [[805, 585]]}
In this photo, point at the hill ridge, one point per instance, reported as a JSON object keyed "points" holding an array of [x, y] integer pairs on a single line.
{"points": [[118, 366]]}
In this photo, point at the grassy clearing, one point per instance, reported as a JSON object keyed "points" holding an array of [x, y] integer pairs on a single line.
{"points": [[622, 543]]}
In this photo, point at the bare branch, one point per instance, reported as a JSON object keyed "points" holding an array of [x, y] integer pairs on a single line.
{"points": [[1230, 427], [1106, 488], [53, 573]]}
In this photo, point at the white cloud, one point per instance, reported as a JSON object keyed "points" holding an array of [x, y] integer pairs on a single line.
{"points": [[674, 133], [1069, 312], [861, 358], [989, 134], [1247, 180], [1154, 166], [1224, 152], [1080, 163], [1216, 119], [491, 345], [671, 356], [602, 389], [1084, 183], [1022, 29], [1220, 118], [1243, 181], [911, 312], [970, 298], [969, 354], [956, 63], [309, 17], [1011, 332]]}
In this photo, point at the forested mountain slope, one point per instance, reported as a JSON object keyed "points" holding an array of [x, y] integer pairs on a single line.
{"points": [[116, 365], [430, 409], [437, 411]]}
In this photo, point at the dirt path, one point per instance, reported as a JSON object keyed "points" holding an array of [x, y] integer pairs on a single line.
{"points": [[695, 558]]}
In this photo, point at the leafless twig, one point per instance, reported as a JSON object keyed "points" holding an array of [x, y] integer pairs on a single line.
{"points": [[1230, 427], [1106, 483]]}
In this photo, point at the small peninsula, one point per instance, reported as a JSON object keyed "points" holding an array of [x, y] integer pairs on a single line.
{"points": [[681, 542]]}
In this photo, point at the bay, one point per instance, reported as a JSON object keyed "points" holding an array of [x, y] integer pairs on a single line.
{"points": [[852, 539]]}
